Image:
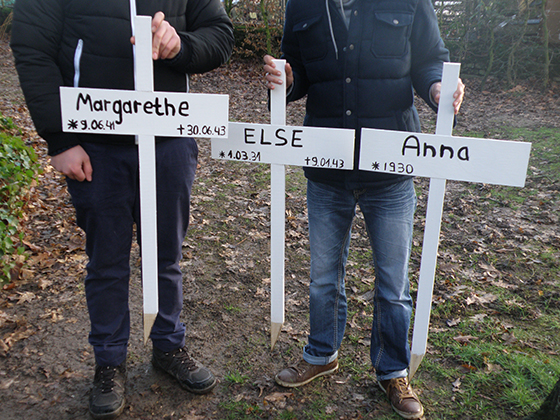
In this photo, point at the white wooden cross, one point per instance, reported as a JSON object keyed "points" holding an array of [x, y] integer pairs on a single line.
{"points": [[282, 145], [440, 157], [146, 114]]}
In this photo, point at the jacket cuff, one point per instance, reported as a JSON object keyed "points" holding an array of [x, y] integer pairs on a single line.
{"points": [[291, 91], [60, 142], [183, 57]]}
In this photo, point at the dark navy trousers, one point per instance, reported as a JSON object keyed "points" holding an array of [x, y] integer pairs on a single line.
{"points": [[107, 209]]}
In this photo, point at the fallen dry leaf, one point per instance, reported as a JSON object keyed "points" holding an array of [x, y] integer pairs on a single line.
{"points": [[509, 338], [492, 367], [456, 385], [481, 300], [464, 339], [278, 396], [25, 297], [453, 322]]}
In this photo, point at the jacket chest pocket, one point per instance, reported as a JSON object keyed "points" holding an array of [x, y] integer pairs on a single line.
{"points": [[391, 31], [312, 38]]}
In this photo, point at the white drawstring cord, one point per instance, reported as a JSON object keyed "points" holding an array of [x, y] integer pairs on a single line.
{"points": [[331, 28]]}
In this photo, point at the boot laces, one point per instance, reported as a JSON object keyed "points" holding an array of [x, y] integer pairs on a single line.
{"points": [[300, 367], [182, 356], [107, 378], [404, 391]]}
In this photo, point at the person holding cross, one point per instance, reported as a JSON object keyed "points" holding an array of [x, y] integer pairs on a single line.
{"points": [[89, 44], [359, 63]]}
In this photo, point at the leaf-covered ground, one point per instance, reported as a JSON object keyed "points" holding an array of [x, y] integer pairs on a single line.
{"points": [[491, 239]]}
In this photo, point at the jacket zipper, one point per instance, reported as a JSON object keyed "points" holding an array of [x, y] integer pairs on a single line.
{"points": [[77, 58]]}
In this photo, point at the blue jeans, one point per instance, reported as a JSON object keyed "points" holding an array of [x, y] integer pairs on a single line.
{"points": [[388, 213], [106, 209]]}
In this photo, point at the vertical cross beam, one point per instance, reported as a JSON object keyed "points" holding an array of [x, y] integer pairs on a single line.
{"points": [[143, 76], [277, 213], [434, 211]]}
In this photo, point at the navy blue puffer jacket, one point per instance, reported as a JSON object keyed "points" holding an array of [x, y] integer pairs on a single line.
{"points": [[390, 48]]}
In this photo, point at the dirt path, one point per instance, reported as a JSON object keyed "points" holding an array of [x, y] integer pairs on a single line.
{"points": [[46, 363]]}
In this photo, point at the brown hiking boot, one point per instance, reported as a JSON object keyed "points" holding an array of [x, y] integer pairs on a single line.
{"points": [[403, 399], [303, 373]]}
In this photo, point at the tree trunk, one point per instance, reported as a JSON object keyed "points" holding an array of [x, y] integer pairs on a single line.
{"points": [[550, 408], [546, 78]]}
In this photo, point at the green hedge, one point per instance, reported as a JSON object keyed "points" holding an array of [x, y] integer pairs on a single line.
{"points": [[18, 169], [5, 20], [502, 39], [4, 13]]}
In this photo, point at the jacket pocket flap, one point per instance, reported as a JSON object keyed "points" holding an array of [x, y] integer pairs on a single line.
{"points": [[394, 18], [307, 23]]}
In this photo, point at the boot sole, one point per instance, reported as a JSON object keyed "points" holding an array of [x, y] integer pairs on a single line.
{"points": [[108, 416], [200, 391], [296, 384], [184, 386]]}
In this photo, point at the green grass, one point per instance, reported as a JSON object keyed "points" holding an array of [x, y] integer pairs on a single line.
{"points": [[232, 309], [235, 378], [545, 152], [498, 377], [319, 409], [240, 410], [288, 415], [296, 182]]}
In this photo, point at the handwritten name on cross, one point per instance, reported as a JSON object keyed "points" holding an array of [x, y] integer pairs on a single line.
{"points": [[280, 145], [146, 114], [440, 157]]}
